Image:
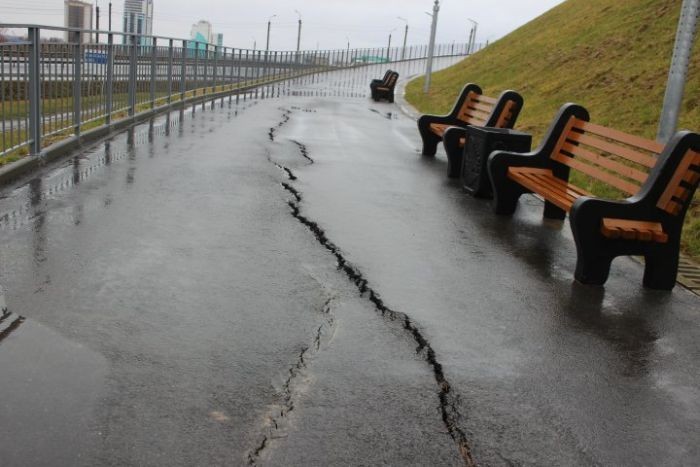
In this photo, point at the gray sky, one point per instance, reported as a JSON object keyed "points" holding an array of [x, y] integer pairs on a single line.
{"points": [[326, 24]]}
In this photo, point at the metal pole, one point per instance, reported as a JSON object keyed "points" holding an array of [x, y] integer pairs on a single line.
{"points": [[675, 86], [298, 33], [267, 43], [35, 91], [431, 46], [110, 77], [388, 49], [170, 72], [183, 72], [97, 23], [152, 89], [132, 77], [76, 83], [405, 36], [109, 22]]}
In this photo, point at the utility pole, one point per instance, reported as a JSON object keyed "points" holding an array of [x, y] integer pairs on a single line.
{"points": [[269, 21], [109, 21], [685, 36], [405, 36], [431, 47], [472, 36], [298, 33], [388, 48], [97, 23]]}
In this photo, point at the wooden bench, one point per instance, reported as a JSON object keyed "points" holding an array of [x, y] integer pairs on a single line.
{"points": [[385, 89], [659, 181], [377, 82], [471, 108]]}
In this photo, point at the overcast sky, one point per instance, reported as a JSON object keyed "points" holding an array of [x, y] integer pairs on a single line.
{"points": [[325, 23]]}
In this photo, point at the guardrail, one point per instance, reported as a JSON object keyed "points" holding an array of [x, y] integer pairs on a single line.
{"points": [[53, 91]]}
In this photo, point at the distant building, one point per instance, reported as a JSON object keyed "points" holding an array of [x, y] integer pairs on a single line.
{"points": [[138, 19], [201, 32], [219, 39], [77, 14]]}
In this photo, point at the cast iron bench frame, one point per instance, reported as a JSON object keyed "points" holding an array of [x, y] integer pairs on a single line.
{"points": [[648, 223], [471, 108], [384, 89]]}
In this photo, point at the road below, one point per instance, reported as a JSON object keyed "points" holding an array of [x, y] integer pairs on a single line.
{"points": [[284, 280]]}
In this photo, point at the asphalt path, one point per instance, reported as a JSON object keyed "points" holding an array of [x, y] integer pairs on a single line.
{"points": [[284, 280]]}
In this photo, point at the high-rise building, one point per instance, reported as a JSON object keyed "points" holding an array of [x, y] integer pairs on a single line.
{"points": [[201, 32], [219, 39], [77, 14], [138, 19]]}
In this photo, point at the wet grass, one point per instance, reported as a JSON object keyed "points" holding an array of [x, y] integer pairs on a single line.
{"points": [[610, 56]]}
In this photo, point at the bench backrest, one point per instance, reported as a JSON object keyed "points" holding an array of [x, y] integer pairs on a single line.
{"points": [[682, 185], [610, 156], [625, 161], [480, 110], [390, 82], [386, 76]]}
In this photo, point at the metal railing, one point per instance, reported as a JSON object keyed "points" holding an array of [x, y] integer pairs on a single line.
{"points": [[52, 91]]}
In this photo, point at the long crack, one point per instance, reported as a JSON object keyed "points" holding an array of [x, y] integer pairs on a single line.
{"points": [[449, 401], [304, 151], [276, 417]]}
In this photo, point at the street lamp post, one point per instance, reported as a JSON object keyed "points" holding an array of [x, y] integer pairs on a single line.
{"points": [[255, 43], [675, 86], [388, 47], [405, 36], [269, 21], [431, 47], [348, 54], [298, 31], [472, 36]]}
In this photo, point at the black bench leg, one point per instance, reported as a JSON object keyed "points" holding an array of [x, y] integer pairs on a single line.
{"points": [[590, 269], [430, 139], [454, 151], [552, 211], [660, 270]]}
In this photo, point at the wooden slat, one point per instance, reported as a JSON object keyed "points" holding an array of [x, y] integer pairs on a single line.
{"points": [[613, 148], [606, 162], [483, 107], [631, 140], [603, 176], [543, 182], [633, 230], [439, 128], [562, 139], [682, 169], [486, 99]]}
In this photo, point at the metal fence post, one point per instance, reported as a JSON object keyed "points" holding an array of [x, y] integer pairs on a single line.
{"points": [[196, 68], [35, 91], [77, 91], [110, 78], [183, 72], [154, 51], [170, 72], [132, 77]]}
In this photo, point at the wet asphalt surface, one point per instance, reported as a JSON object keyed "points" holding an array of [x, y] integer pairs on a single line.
{"points": [[284, 280]]}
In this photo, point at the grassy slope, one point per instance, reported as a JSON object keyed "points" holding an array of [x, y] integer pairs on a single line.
{"points": [[611, 56]]}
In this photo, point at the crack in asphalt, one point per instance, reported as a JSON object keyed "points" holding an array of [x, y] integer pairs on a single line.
{"points": [[449, 401], [304, 151], [285, 119], [287, 171], [11, 327], [278, 413]]}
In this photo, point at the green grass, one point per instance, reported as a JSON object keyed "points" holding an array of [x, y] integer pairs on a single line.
{"points": [[611, 56]]}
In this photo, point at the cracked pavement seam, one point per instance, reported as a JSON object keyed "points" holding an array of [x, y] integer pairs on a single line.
{"points": [[275, 419], [449, 401]]}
